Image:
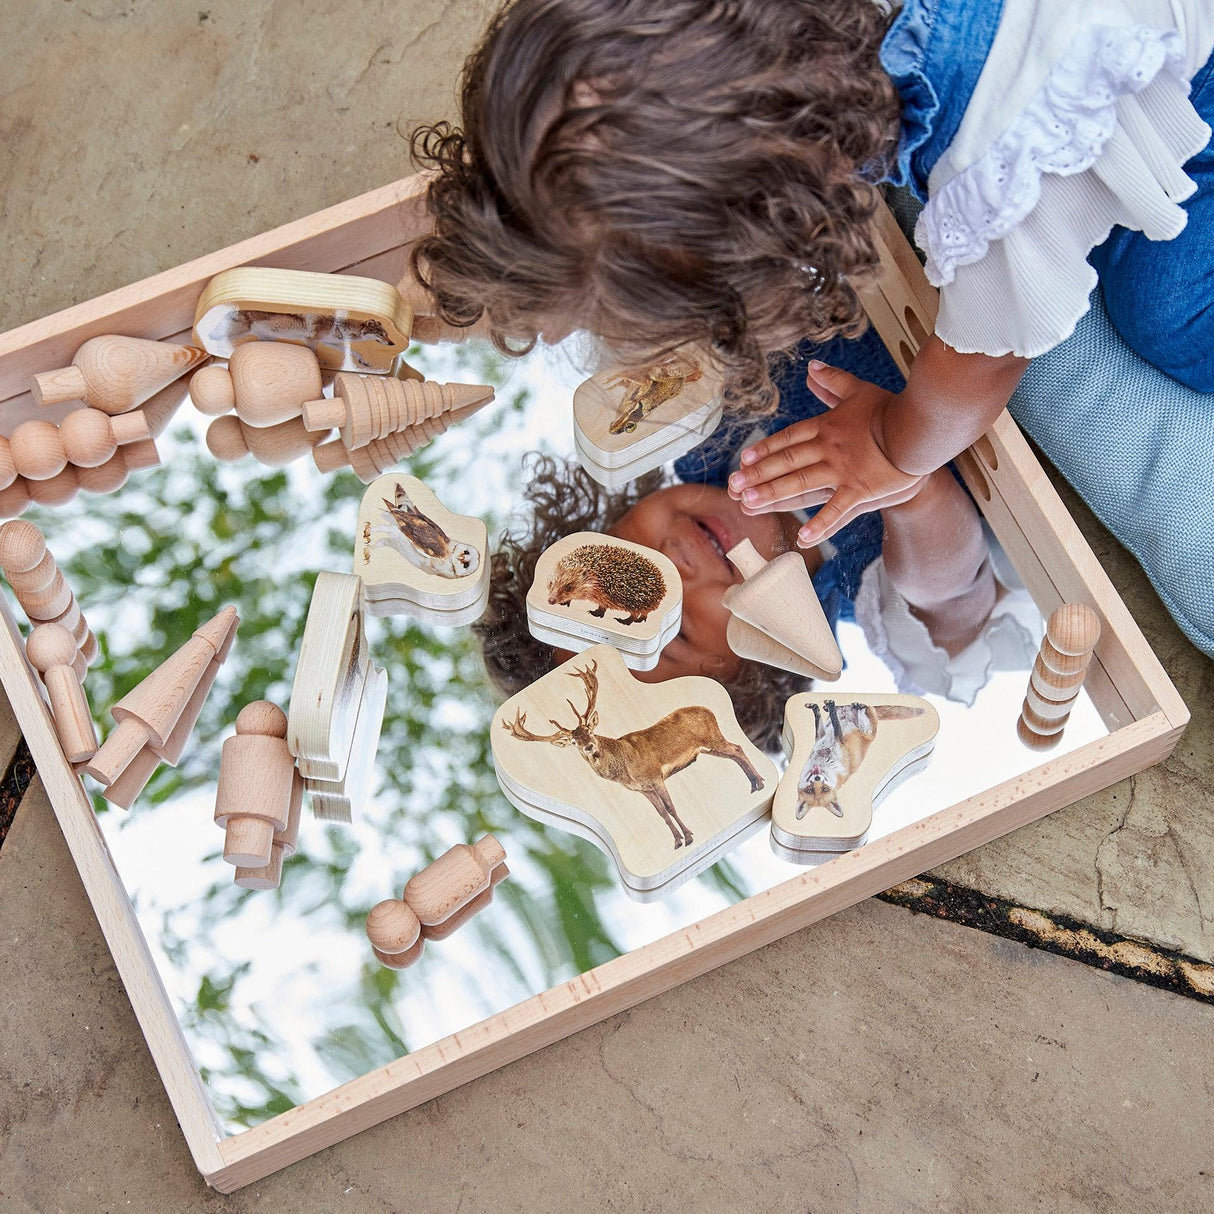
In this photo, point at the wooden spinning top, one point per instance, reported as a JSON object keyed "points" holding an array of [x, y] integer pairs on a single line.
{"points": [[114, 374], [52, 651], [1071, 636], [265, 382]]}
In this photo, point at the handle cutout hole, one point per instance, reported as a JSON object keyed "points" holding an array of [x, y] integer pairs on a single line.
{"points": [[914, 326], [984, 449]]}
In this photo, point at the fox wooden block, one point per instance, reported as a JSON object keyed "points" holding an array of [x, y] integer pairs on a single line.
{"points": [[628, 422], [592, 589], [352, 324], [660, 776], [844, 756], [415, 555]]}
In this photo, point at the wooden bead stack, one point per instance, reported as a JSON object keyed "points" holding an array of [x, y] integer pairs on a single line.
{"points": [[437, 901], [52, 651], [1071, 635]]}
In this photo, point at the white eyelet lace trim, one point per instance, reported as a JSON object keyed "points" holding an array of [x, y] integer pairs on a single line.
{"points": [[1062, 130]]}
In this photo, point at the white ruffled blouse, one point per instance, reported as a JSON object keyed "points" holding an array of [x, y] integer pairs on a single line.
{"points": [[1080, 121]]}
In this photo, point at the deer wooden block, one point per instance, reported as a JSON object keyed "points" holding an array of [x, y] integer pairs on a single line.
{"points": [[265, 383], [844, 756], [352, 324], [660, 776], [593, 589], [626, 423], [416, 556]]}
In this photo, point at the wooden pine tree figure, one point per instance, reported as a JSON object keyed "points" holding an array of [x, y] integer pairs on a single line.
{"points": [[265, 382], [52, 650], [116, 374], [148, 713], [256, 784], [778, 599], [1071, 635]]}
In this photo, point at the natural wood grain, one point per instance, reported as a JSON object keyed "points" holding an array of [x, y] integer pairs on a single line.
{"points": [[451, 882], [256, 778]]}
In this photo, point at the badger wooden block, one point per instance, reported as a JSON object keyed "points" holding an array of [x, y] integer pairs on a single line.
{"points": [[778, 598], [115, 374], [229, 439], [256, 781], [52, 650], [844, 756], [352, 324], [90, 437], [660, 775], [365, 407], [592, 589], [148, 713], [265, 382], [453, 880], [283, 845]]}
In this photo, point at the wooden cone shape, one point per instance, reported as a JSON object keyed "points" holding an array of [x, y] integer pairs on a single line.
{"points": [[778, 598], [115, 374], [174, 746], [753, 643]]}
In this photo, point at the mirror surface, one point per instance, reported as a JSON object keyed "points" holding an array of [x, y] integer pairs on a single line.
{"points": [[277, 992]]}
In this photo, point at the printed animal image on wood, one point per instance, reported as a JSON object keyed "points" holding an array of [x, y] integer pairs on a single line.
{"points": [[416, 556], [844, 756], [353, 324], [627, 422], [591, 588], [660, 775]]}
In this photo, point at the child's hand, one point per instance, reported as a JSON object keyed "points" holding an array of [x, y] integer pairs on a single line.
{"points": [[835, 459]]}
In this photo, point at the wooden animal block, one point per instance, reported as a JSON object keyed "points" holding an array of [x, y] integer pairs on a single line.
{"points": [[265, 382], [341, 799], [52, 650], [415, 555], [592, 589], [1071, 636], [114, 374], [329, 677], [844, 756], [661, 775], [626, 423], [352, 324], [778, 598]]}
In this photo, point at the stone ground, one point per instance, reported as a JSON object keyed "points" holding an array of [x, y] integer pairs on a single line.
{"points": [[881, 1059]]}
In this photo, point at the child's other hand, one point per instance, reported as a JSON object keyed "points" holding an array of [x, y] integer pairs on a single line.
{"points": [[834, 459]]}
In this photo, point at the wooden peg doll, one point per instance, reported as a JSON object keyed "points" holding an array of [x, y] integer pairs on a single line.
{"points": [[265, 382], [282, 846], [52, 650], [90, 437], [256, 785], [229, 439], [453, 880], [470, 909], [395, 933], [115, 374]]}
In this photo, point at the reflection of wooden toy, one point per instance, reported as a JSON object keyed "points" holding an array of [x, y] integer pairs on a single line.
{"points": [[844, 756], [341, 800], [1071, 634], [453, 880], [778, 598], [365, 407], [753, 643], [112, 475], [256, 784], [52, 650], [115, 374], [148, 713], [592, 589], [230, 439], [416, 556], [14, 498], [428, 326], [54, 490], [353, 324], [265, 382], [626, 423], [395, 934], [269, 876], [90, 437], [470, 909], [660, 776]]}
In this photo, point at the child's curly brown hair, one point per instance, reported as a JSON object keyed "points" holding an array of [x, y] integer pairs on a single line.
{"points": [[665, 171], [563, 499]]}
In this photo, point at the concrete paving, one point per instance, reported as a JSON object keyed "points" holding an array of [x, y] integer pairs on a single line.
{"points": [[878, 1060]]}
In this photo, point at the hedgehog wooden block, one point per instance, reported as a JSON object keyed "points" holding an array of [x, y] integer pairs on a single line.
{"points": [[352, 324], [844, 756], [660, 776], [417, 557], [592, 589], [626, 423]]}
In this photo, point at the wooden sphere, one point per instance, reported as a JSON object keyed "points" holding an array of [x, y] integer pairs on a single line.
{"points": [[38, 578], [105, 478], [22, 546], [14, 498], [225, 439], [55, 490], [271, 380], [401, 961], [262, 717], [392, 927], [1035, 741], [8, 470], [50, 645], [37, 450], [1073, 629], [91, 437], [212, 392]]}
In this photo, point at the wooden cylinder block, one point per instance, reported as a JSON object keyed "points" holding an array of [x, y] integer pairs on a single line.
{"points": [[470, 910], [271, 380], [37, 450], [453, 880], [142, 453], [256, 781], [90, 437], [51, 650], [55, 490], [282, 846]]}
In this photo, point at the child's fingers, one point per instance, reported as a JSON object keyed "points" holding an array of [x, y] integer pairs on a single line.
{"points": [[790, 436], [804, 502], [838, 512], [830, 385], [806, 476]]}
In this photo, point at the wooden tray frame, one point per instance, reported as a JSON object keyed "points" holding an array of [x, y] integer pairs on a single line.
{"points": [[370, 235]]}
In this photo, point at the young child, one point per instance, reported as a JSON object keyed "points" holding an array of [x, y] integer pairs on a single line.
{"points": [[667, 171]]}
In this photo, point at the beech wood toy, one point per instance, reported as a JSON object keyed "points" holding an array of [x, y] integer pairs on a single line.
{"points": [[90, 437], [265, 382], [470, 909], [395, 934], [626, 423], [256, 783], [428, 326], [149, 712], [342, 799], [660, 776], [592, 589], [778, 598], [14, 498], [283, 845], [353, 324], [115, 374], [417, 557], [1071, 635], [844, 757], [52, 650], [449, 883], [229, 439], [750, 642], [365, 407]]}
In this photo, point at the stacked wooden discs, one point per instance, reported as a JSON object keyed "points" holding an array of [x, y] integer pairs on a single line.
{"points": [[1071, 634]]}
